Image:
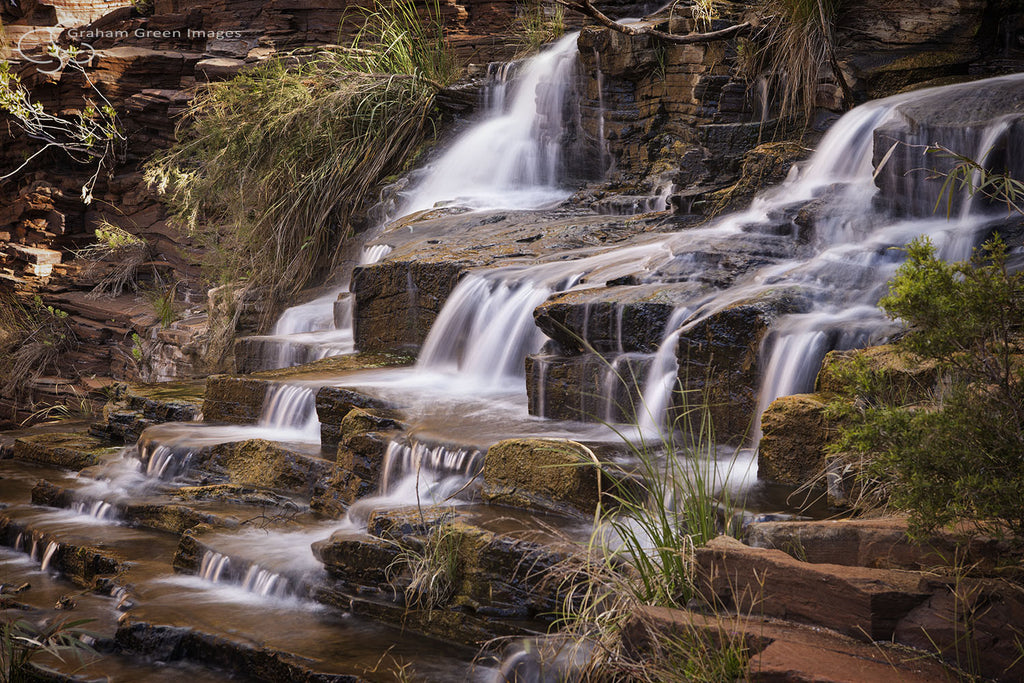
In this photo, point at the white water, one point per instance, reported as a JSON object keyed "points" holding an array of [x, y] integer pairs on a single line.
{"points": [[510, 158], [421, 460], [51, 548]]}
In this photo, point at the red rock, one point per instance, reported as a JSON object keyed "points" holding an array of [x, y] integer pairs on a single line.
{"points": [[862, 603]]}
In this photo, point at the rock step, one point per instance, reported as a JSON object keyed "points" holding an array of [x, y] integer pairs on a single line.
{"points": [[70, 450], [81, 564], [174, 643], [862, 603], [779, 651], [238, 399], [497, 584]]}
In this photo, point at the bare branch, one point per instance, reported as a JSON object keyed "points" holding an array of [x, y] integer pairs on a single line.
{"points": [[587, 8]]}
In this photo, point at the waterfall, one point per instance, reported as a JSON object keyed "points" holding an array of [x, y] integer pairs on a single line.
{"points": [[661, 377], [486, 329], [51, 548], [99, 509], [415, 458], [511, 157]]}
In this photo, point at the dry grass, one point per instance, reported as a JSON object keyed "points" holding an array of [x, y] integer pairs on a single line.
{"points": [[277, 163], [796, 43]]}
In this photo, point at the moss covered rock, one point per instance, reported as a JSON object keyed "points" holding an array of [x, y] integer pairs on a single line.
{"points": [[548, 474], [792, 447], [256, 462], [71, 450]]}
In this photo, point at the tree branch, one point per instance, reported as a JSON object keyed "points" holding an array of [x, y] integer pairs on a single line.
{"points": [[586, 8]]}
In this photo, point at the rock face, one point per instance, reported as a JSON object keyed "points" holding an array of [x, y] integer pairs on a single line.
{"points": [[970, 622], [981, 123], [398, 299], [718, 361], [885, 47]]}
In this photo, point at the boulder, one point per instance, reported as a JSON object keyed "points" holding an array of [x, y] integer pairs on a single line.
{"points": [[858, 602], [545, 474], [718, 360], [793, 437], [974, 624], [901, 376], [777, 650], [879, 543]]}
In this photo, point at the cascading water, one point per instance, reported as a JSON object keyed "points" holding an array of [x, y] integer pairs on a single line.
{"points": [[511, 158], [418, 459], [486, 328]]}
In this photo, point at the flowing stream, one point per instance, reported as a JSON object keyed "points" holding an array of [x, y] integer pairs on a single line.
{"points": [[467, 389]]}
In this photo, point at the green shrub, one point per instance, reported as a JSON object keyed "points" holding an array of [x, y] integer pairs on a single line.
{"points": [[959, 455]]}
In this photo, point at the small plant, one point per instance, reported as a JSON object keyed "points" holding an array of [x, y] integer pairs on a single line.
{"points": [[21, 642], [128, 253], [33, 337], [163, 304], [434, 568], [704, 12], [796, 41], [92, 136], [971, 176], [536, 24], [145, 8]]}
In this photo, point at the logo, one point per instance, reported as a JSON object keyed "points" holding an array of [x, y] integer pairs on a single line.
{"points": [[55, 57]]}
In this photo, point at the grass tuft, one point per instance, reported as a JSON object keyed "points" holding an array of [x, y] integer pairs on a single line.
{"points": [[277, 163]]}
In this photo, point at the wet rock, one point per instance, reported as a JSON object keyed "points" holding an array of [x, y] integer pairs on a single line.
{"points": [[762, 166], [357, 560], [83, 565], [587, 387], [257, 462], [356, 473], [718, 360], [398, 299], [239, 399], [974, 624], [792, 446], [396, 303], [176, 643], [334, 404], [133, 407], [71, 450], [546, 474], [957, 121], [613, 319], [862, 603], [877, 543]]}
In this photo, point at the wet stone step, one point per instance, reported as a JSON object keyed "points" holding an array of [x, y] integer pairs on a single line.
{"points": [[172, 643], [240, 399], [70, 450]]}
